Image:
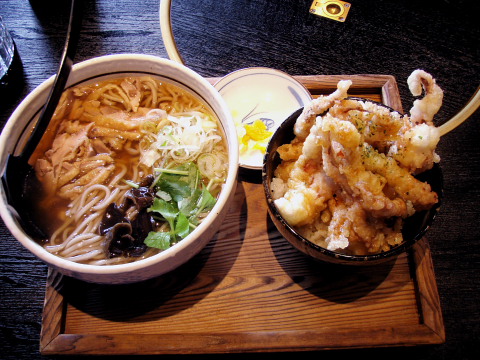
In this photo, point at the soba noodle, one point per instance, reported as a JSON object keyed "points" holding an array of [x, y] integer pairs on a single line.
{"points": [[107, 138]]}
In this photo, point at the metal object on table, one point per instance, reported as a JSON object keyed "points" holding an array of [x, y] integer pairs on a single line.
{"points": [[333, 9]]}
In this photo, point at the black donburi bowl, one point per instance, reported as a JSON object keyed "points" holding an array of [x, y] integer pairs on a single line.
{"points": [[414, 227]]}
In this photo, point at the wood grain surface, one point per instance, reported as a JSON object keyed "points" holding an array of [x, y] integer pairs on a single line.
{"points": [[216, 37]]}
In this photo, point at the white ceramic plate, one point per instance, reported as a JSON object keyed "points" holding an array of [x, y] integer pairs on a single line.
{"points": [[263, 94]]}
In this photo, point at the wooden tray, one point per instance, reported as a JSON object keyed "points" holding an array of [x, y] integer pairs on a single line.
{"points": [[250, 291]]}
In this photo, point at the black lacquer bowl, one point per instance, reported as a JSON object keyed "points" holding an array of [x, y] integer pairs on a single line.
{"points": [[414, 227]]}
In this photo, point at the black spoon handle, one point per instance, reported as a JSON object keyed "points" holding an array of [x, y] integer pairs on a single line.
{"points": [[60, 81]]}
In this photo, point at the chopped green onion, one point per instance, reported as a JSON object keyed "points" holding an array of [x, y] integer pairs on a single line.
{"points": [[169, 171], [131, 183]]}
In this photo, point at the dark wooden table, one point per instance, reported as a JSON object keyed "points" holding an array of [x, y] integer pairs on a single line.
{"points": [[217, 37]]}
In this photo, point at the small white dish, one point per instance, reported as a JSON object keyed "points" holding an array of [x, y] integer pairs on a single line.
{"points": [[264, 94]]}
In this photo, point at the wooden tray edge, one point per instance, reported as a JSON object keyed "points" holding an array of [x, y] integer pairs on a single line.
{"points": [[430, 329], [427, 291], [282, 341]]}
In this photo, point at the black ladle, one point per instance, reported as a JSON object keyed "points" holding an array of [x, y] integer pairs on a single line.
{"points": [[18, 169]]}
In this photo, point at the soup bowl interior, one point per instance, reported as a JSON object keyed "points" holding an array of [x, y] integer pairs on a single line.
{"points": [[98, 69], [413, 230]]}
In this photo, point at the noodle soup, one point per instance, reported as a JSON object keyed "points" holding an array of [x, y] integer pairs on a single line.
{"points": [[128, 168]]}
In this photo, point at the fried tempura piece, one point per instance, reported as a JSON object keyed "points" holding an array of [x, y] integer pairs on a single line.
{"points": [[290, 151], [406, 186], [344, 150], [308, 187], [424, 109], [347, 179], [319, 106], [415, 148], [351, 226]]}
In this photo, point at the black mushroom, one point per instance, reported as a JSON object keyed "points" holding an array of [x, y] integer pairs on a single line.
{"points": [[126, 237]]}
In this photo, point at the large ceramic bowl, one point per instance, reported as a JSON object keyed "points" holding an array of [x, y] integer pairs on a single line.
{"points": [[414, 227], [102, 68]]}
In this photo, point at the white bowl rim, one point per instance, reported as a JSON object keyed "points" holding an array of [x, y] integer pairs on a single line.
{"points": [[255, 70], [71, 266]]}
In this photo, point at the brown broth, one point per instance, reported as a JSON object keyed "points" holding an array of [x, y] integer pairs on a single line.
{"points": [[50, 209]]}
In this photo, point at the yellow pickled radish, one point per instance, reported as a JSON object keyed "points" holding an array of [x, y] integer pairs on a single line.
{"points": [[257, 131]]}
